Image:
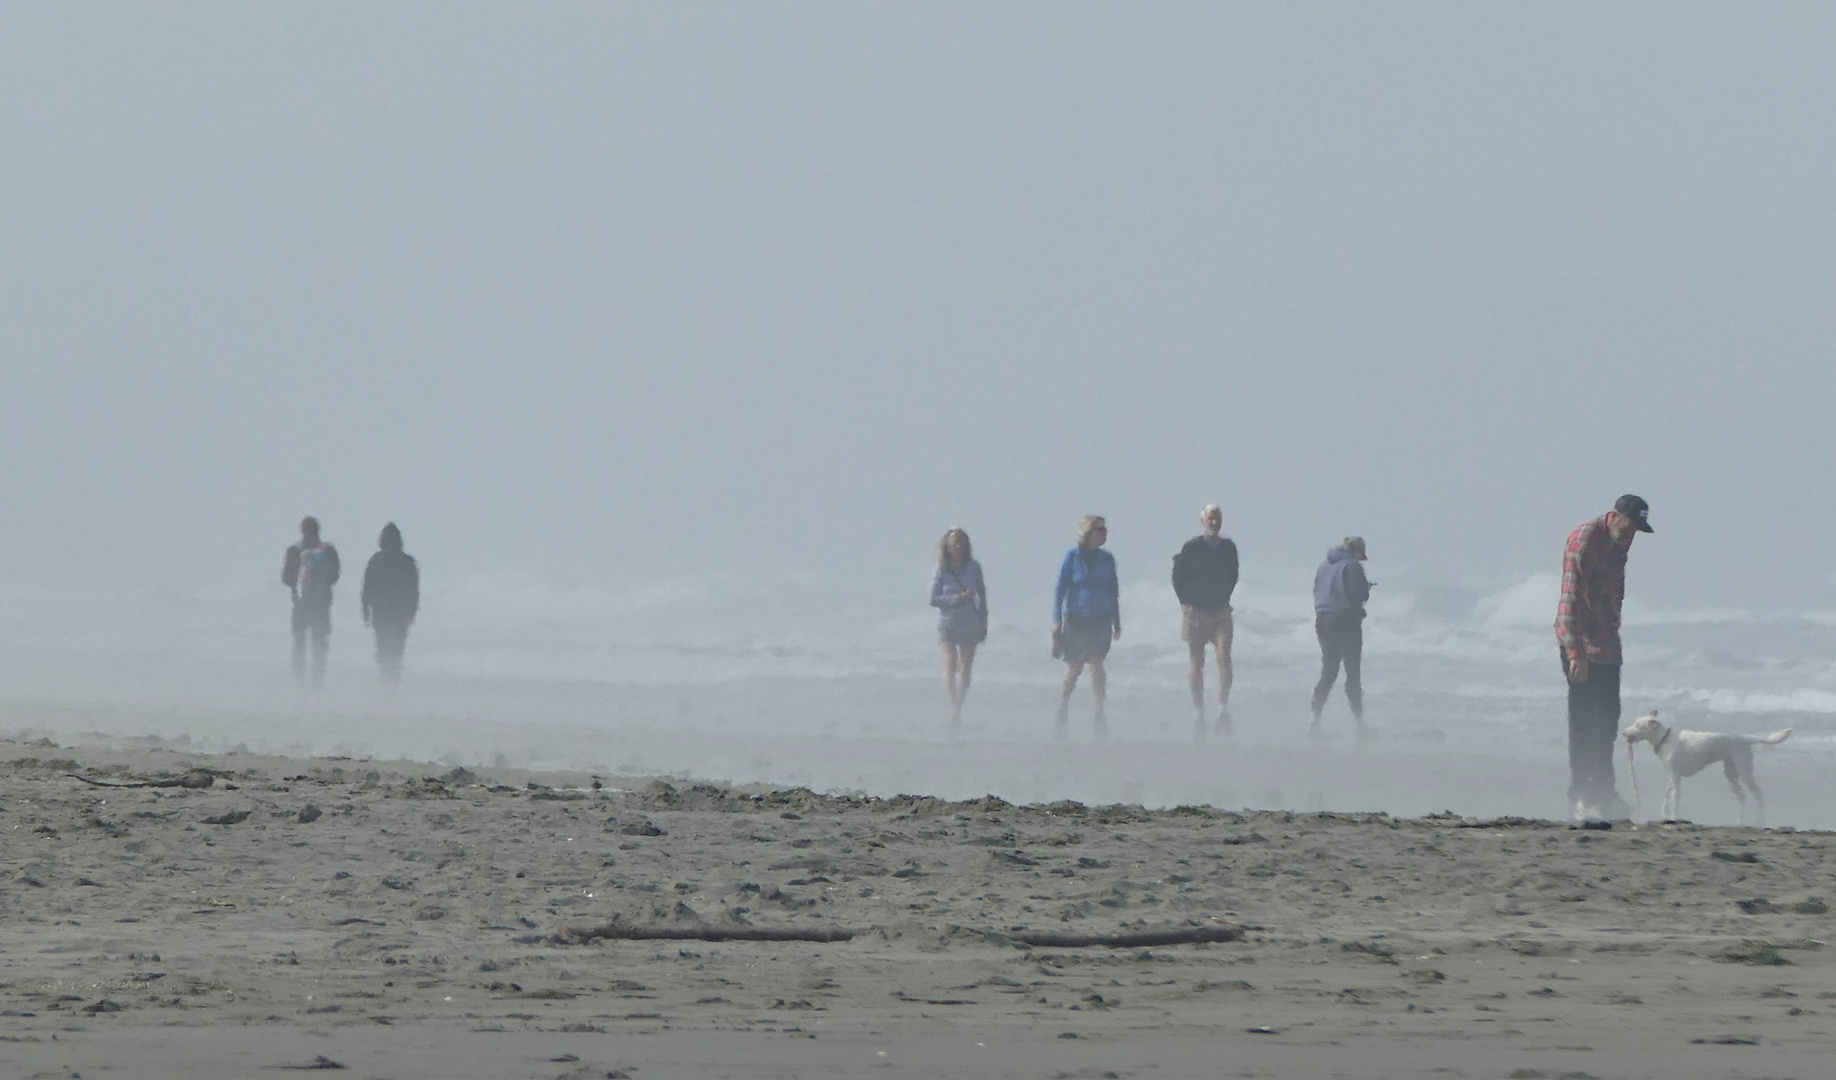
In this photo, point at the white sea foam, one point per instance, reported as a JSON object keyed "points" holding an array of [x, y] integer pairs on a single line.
{"points": [[1465, 646], [1530, 603], [1723, 700]]}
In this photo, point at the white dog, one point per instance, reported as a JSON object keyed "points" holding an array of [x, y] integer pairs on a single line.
{"points": [[1687, 753]]}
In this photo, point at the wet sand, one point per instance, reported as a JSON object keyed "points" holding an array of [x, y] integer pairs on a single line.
{"points": [[422, 925]]}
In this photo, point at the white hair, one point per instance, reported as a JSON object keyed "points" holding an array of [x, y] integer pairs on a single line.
{"points": [[1209, 509]]}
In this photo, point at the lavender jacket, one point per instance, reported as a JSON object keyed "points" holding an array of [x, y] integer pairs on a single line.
{"points": [[947, 585]]}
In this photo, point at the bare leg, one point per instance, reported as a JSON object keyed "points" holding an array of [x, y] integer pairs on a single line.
{"points": [[949, 676], [1099, 685], [1225, 678], [967, 652], [1072, 671], [1195, 681]]}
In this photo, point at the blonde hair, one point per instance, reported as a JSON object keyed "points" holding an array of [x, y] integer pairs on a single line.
{"points": [[943, 548], [1088, 524]]}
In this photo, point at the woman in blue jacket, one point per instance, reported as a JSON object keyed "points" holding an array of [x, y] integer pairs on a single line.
{"points": [[1086, 617]]}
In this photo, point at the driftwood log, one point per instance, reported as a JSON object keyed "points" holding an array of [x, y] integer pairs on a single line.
{"points": [[197, 778], [1128, 939], [623, 932]]}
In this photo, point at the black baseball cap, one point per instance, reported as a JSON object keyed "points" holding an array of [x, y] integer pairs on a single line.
{"points": [[1637, 510]]}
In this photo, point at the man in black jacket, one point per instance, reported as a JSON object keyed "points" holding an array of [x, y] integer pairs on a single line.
{"points": [[1204, 575], [391, 596]]}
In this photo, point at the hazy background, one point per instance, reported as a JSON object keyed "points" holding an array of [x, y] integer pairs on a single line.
{"points": [[674, 335]]}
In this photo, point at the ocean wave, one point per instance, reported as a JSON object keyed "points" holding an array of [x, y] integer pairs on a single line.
{"points": [[1725, 700], [712, 629]]}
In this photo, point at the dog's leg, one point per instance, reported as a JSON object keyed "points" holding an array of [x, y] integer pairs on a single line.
{"points": [[1759, 797], [1673, 799], [1732, 772]]}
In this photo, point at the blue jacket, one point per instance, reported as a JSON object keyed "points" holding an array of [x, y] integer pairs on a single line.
{"points": [[1340, 584], [1086, 590]]}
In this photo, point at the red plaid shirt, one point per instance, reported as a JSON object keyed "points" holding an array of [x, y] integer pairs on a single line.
{"points": [[1593, 589]]}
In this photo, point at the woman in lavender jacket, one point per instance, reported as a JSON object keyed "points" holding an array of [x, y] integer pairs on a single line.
{"points": [[961, 600]]}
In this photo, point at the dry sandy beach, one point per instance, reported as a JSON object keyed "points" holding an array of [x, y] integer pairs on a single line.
{"points": [[426, 923]]}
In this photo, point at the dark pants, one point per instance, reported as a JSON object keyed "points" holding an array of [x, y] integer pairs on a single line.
{"points": [[311, 622], [391, 640], [1593, 728], [1341, 635]]}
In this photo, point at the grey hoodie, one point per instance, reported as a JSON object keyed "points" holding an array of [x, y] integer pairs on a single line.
{"points": [[1340, 584]]}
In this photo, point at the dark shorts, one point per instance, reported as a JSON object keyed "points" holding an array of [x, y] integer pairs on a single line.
{"points": [[1086, 638], [961, 631]]}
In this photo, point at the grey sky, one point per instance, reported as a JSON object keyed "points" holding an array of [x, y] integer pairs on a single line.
{"points": [[610, 292]]}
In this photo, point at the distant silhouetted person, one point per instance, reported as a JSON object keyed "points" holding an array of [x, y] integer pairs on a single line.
{"points": [[961, 600], [1339, 592], [1204, 576], [310, 570], [1086, 617], [391, 596]]}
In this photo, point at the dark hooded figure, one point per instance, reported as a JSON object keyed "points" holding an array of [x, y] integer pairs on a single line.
{"points": [[391, 596]]}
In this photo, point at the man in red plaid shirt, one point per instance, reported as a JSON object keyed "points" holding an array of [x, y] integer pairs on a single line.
{"points": [[1587, 628]]}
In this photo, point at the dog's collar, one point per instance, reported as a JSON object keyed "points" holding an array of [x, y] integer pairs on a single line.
{"points": [[1662, 739]]}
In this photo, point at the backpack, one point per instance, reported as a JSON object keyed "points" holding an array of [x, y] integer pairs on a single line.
{"points": [[318, 572]]}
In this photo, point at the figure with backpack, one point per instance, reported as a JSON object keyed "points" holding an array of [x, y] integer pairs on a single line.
{"points": [[309, 571], [391, 596]]}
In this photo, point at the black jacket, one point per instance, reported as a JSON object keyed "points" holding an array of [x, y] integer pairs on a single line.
{"points": [[1204, 576], [391, 587]]}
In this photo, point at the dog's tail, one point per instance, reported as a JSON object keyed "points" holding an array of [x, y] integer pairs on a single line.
{"points": [[1773, 739]]}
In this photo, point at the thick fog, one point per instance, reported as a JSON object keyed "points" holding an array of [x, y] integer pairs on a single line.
{"points": [[674, 336]]}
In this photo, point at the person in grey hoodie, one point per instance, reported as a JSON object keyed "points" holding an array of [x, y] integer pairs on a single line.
{"points": [[1339, 592]]}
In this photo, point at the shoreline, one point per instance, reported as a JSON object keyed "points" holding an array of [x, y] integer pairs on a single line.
{"points": [[1408, 771]]}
